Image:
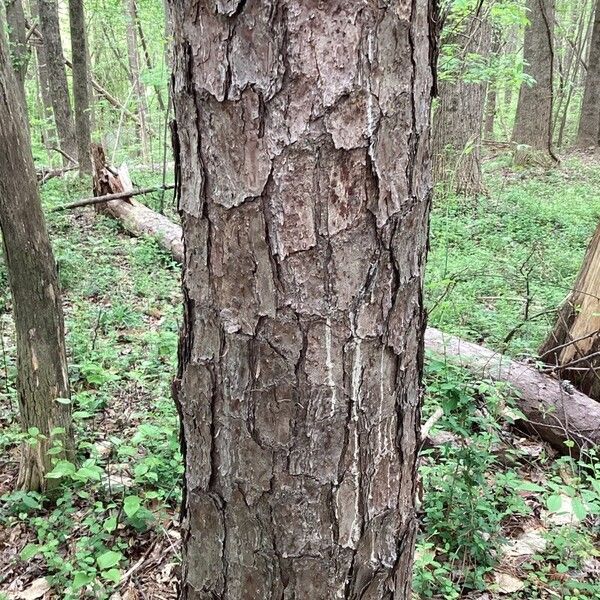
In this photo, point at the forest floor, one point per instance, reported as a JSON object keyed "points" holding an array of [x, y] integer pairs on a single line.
{"points": [[502, 515]]}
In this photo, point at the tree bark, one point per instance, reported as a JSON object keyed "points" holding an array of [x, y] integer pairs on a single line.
{"points": [[533, 121], [138, 88], [588, 133], [41, 355], [19, 50], [57, 78], [458, 120], [574, 342], [302, 130], [81, 99]]}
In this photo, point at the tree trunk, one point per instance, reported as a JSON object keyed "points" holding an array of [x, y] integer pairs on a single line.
{"points": [[80, 84], [48, 135], [492, 92], [37, 310], [589, 121], [57, 78], [533, 122], [147, 58], [458, 120], [302, 130], [138, 88], [574, 343], [19, 50]]}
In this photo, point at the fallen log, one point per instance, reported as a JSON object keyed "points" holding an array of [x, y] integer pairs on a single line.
{"points": [[116, 196], [554, 410], [114, 192]]}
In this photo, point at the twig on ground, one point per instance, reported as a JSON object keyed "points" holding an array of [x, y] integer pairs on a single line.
{"points": [[109, 197]]}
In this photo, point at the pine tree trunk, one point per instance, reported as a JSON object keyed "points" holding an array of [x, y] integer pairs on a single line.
{"points": [[533, 122], [574, 343], [589, 122], [37, 310], [458, 120], [302, 130], [138, 88], [19, 50], [80, 84], [57, 77]]}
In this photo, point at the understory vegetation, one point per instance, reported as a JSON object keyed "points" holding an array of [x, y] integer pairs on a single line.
{"points": [[500, 512]]}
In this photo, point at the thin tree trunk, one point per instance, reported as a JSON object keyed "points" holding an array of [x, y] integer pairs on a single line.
{"points": [[572, 66], [147, 58], [57, 78], [19, 50], [79, 52], [302, 131], [458, 120], [490, 111], [574, 343], [41, 354], [101, 91], [48, 134], [589, 122], [533, 122], [138, 88], [492, 92]]}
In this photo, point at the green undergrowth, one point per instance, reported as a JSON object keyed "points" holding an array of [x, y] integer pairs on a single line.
{"points": [[123, 311], [500, 265]]}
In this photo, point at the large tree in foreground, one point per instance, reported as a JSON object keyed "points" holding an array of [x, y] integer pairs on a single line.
{"points": [[304, 196], [533, 122], [37, 309]]}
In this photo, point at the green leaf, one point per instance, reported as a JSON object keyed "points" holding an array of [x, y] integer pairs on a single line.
{"points": [[30, 501], [579, 509], [113, 575], [131, 505], [87, 474], [109, 559], [81, 579], [553, 502], [110, 524], [560, 568], [29, 551], [529, 486], [63, 400], [63, 468]]}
